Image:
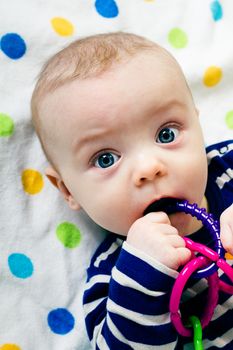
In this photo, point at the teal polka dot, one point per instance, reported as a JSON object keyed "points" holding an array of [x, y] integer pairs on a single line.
{"points": [[216, 9], [20, 265]]}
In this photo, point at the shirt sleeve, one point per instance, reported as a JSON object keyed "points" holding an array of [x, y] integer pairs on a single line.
{"points": [[126, 301], [220, 169]]}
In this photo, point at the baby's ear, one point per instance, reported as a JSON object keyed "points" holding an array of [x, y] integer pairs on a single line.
{"points": [[52, 175], [55, 178]]}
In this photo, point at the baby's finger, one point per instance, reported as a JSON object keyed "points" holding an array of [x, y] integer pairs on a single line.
{"points": [[183, 255], [176, 241], [158, 217], [165, 229], [227, 237]]}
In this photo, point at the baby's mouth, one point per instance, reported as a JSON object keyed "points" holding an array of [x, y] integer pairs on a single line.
{"points": [[167, 205]]}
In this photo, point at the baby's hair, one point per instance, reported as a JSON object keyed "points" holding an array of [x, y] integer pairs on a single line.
{"points": [[88, 57], [85, 58]]}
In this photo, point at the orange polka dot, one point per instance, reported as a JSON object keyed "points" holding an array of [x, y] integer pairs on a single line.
{"points": [[228, 256]]}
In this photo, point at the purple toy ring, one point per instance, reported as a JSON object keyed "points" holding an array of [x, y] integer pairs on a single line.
{"points": [[212, 226]]}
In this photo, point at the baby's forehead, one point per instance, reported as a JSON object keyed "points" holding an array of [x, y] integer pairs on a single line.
{"points": [[151, 61]]}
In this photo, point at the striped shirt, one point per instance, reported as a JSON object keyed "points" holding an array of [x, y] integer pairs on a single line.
{"points": [[126, 299]]}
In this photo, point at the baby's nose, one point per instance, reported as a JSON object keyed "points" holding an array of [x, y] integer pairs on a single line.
{"points": [[147, 170]]}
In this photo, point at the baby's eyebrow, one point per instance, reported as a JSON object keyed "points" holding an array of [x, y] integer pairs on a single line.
{"points": [[169, 105], [89, 138]]}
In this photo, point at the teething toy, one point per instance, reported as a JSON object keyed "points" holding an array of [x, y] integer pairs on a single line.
{"points": [[205, 265]]}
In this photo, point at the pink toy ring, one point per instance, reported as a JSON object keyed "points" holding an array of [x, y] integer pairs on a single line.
{"points": [[218, 261], [213, 281], [177, 291]]}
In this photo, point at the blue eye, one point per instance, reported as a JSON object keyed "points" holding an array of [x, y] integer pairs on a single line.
{"points": [[105, 160], [167, 135]]}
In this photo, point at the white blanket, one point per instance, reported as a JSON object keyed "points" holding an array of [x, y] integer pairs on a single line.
{"points": [[44, 247]]}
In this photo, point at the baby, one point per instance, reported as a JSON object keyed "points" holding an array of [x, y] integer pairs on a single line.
{"points": [[118, 124]]}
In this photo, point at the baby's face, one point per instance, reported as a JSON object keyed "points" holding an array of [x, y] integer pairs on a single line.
{"points": [[126, 139]]}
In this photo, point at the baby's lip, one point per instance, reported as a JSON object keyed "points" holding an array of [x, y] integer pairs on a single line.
{"points": [[165, 204]]}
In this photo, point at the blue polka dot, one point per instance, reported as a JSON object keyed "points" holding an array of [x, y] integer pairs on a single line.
{"points": [[61, 321], [216, 9], [20, 265], [107, 8], [13, 45]]}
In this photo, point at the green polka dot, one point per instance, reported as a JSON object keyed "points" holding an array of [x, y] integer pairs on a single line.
{"points": [[68, 234], [229, 119], [177, 38], [6, 125]]}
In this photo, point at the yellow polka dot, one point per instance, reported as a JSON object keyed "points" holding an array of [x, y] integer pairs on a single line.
{"points": [[62, 26], [32, 181], [212, 76], [228, 256], [10, 347]]}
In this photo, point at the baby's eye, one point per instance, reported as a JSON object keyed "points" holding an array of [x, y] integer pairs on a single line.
{"points": [[105, 160], [167, 135]]}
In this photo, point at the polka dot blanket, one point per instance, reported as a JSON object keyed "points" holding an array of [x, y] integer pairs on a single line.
{"points": [[45, 247]]}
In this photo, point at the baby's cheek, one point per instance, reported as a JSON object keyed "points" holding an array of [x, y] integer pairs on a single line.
{"points": [[114, 220]]}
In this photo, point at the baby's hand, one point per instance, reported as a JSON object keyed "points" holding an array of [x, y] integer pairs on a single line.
{"points": [[226, 226], [154, 235]]}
